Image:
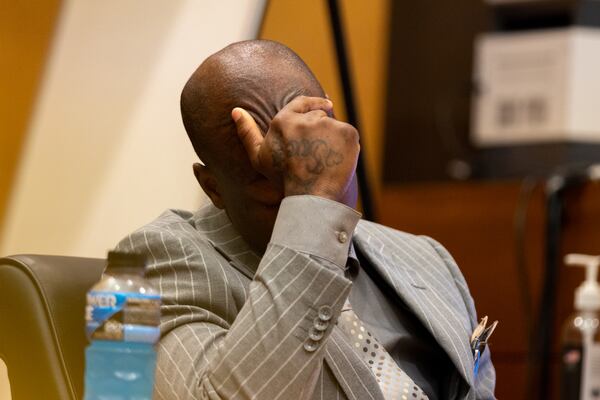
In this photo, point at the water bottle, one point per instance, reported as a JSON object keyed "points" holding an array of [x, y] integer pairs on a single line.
{"points": [[122, 324]]}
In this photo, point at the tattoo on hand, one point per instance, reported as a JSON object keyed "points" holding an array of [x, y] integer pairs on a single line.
{"points": [[316, 153]]}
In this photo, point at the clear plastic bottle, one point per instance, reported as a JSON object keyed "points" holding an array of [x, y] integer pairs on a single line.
{"points": [[122, 323], [580, 337]]}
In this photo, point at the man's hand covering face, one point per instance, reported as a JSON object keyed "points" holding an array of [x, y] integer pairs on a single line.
{"points": [[305, 151]]}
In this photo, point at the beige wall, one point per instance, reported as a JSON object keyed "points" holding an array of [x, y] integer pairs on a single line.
{"points": [[25, 34], [106, 150]]}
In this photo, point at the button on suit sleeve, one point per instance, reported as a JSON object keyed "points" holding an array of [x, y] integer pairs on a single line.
{"points": [[319, 227]]}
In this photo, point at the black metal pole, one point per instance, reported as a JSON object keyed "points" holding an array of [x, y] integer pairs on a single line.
{"points": [[544, 336], [344, 70], [543, 352]]}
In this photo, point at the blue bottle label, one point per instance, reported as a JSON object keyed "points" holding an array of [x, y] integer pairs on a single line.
{"points": [[117, 316]]}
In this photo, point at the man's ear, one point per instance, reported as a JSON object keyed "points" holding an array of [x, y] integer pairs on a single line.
{"points": [[208, 182]]}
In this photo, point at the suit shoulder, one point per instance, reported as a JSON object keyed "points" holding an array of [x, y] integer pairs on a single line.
{"points": [[170, 221], [374, 229], [406, 242], [172, 224], [418, 247]]}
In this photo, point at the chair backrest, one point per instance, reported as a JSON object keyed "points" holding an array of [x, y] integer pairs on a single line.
{"points": [[42, 337]]}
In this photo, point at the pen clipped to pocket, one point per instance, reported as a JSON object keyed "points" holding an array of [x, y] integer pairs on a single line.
{"points": [[479, 340]]}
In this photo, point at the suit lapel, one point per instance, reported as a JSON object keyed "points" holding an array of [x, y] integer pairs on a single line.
{"points": [[352, 374], [420, 278]]}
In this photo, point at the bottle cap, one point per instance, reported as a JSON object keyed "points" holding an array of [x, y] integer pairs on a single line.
{"points": [[587, 295], [120, 259]]}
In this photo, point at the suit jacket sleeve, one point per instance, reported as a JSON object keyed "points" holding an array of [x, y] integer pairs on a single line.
{"points": [[485, 381], [210, 350]]}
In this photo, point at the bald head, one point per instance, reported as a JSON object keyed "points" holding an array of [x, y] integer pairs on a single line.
{"points": [[260, 76]]}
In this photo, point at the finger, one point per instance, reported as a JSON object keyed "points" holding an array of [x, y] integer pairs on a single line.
{"points": [[317, 114], [249, 133], [303, 104], [330, 113]]}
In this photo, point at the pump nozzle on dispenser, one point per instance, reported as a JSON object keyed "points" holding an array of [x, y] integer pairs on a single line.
{"points": [[580, 338], [587, 295]]}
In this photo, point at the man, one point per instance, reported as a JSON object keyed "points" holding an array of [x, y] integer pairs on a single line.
{"points": [[276, 290]]}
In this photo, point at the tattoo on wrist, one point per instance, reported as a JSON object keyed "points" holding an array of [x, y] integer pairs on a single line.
{"points": [[316, 154]]}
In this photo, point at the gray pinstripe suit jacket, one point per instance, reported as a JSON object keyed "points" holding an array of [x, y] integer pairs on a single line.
{"points": [[234, 326]]}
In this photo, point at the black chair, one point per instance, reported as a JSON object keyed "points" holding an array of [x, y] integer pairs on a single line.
{"points": [[42, 337]]}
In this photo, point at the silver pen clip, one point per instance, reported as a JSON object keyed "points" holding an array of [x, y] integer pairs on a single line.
{"points": [[479, 340]]}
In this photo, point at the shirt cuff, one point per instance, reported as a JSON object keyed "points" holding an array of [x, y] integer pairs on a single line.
{"points": [[317, 226]]}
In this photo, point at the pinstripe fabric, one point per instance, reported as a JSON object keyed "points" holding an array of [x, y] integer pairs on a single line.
{"points": [[234, 325], [428, 280]]}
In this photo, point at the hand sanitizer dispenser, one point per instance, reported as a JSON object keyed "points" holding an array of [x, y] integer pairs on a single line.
{"points": [[580, 362]]}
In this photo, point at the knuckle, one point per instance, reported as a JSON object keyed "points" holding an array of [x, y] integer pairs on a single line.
{"points": [[303, 124], [350, 131], [318, 115]]}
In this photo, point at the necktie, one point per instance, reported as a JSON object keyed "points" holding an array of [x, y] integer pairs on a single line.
{"points": [[394, 382]]}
